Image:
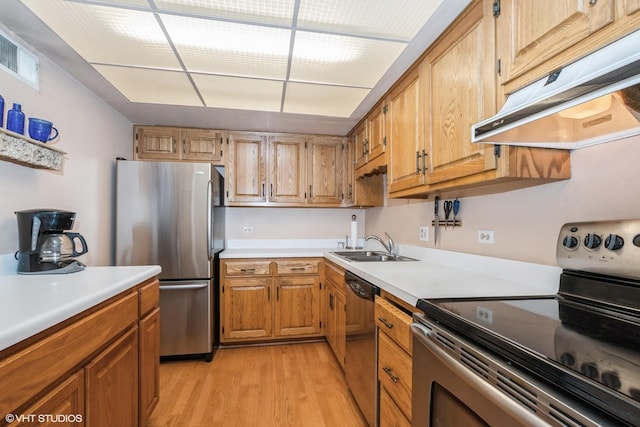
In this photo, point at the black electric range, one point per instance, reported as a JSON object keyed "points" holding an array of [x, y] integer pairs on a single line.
{"points": [[585, 340]]}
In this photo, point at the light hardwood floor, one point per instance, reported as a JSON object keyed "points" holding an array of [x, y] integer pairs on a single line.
{"points": [[278, 385]]}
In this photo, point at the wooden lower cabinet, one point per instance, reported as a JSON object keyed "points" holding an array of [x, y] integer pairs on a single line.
{"points": [[98, 368], [336, 310], [395, 362], [112, 390], [263, 300]]}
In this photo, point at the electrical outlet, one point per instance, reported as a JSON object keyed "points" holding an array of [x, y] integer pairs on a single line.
{"points": [[484, 314], [485, 236], [424, 233], [247, 229]]}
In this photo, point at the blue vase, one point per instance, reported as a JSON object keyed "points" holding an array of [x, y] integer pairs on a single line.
{"points": [[15, 119], [1, 111]]}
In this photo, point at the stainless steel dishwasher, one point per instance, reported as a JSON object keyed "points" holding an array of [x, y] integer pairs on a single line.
{"points": [[361, 351]]}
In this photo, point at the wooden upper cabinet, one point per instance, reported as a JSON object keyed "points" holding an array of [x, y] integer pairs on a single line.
{"points": [[405, 136], [202, 144], [246, 168], [376, 127], [154, 142], [360, 141], [169, 143], [325, 170], [537, 37], [464, 56], [288, 168]]}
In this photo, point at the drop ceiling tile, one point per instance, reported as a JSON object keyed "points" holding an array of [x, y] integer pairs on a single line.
{"points": [[108, 35], [214, 47], [151, 86], [335, 101], [239, 93], [133, 3], [342, 60], [276, 12], [388, 19]]}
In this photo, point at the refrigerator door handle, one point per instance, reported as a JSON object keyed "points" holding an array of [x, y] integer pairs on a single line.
{"points": [[182, 287], [209, 219]]}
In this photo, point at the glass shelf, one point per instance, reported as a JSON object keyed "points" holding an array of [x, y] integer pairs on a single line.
{"points": [[24, 151]]}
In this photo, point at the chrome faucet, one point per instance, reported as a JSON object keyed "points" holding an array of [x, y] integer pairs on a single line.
{"points": [[390, 247]]}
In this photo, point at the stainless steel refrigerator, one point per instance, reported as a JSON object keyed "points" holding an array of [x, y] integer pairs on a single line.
{"points": [[172, 214]]}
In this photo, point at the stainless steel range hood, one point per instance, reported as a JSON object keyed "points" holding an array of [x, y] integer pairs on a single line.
{"points": [[593, 100]]}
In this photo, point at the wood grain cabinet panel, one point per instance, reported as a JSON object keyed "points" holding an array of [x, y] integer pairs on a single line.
{"points": [[203, 145], [156, 142], [336, 321], [394, 372], [325, 170], [264, 300], [246, 169], [111, 389], [390, 414], [395, 323], [288, 169], [177, 144], [149, 365]]}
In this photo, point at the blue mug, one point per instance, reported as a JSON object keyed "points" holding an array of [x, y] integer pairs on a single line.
{"points": [[40, 130]]}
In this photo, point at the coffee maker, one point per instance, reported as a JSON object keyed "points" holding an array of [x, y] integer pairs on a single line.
{"points": [[44, 247]]}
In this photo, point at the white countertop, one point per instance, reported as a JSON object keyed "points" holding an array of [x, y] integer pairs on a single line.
{"points": [[30, 304], [436, 274]]}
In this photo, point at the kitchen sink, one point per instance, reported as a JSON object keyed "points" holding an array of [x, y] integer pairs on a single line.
{"points": [[371, 256]]}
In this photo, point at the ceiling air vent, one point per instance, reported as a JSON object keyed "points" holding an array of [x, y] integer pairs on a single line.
{"points": [[18, 61]]}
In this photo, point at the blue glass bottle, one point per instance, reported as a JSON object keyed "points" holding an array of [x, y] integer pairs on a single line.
{"points": [[1, 111], [15, 119]]}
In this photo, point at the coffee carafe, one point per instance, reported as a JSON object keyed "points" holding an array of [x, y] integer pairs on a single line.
{"points": [[44, 245]]}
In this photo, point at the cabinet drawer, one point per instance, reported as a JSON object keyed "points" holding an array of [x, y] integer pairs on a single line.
{"points": [[247, 268], [390, 414], [297, 266], [149, 296], [395, 323], [334, 274], [394, 372], [62, 351]]}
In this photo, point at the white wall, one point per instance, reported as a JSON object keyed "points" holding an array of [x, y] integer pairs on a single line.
{"points": [[92, 134], [603, 185]]}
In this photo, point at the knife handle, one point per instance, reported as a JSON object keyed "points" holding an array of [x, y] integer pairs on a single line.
{"points": [[436, 205]]}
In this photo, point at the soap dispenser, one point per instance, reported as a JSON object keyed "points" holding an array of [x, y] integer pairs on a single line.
{"points": [[15, 119]]}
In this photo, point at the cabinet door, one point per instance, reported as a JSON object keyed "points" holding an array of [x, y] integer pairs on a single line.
{"points": [[348, 172], [297, 307], [406, 168], [112, 384], [246, 168], [67, 399], [336, 322], [246, 308], [361, 142], [465, 55], [149, 366], [324, 171], [288, 169], [157, 143], [203, 145], [376, 125], [531, 32]]}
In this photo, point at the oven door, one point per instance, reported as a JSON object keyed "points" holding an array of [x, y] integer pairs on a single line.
{"points": [[448, 393]]}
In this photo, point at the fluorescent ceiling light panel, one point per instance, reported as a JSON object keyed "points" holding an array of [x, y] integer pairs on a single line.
{"points": [[322, 100], [349, 61], [108, 35], [151, 86], [230, 49], [239, 93], [274, 12], [399, 20]]}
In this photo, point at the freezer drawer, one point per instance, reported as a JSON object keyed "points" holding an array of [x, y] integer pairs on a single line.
{"points": [[186, 317]]}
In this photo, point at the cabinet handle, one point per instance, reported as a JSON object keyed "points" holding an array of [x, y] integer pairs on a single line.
{"points": [[263, 189], [248, 270], [184, 146], [593, 2], [331, 302], [417, 162], [310, 193], [277, 293], [386, 322], [388, 371], [173, 144], [268, 294], [424, 162], [271, 191], [298, 268], [350, 191]]}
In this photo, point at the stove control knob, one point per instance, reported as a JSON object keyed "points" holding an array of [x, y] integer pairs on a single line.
{"points": [[636, 240], [567, 359], [590, 370], [570, 242], [613, 242], [611, 380], [592, 241]]}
